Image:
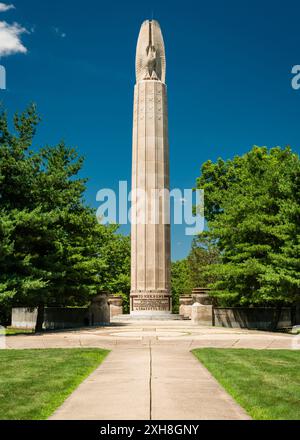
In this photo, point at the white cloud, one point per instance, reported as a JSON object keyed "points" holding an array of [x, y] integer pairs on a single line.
{"points": [[10, 41], [4, 7]]}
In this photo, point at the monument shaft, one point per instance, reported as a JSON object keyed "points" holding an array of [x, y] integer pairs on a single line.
{"points": [[150, 230]]}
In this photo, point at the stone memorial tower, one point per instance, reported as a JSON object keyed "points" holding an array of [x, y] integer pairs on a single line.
{"points": [[150, 215]]}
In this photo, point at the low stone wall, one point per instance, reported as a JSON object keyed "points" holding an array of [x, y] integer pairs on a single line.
{"points": [[296, 314], [54, 318], [260, 318], [97, 314], [23, 318], [60, 318]]}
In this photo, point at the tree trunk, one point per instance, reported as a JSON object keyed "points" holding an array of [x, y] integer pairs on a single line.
{"points": [[40, 318]]}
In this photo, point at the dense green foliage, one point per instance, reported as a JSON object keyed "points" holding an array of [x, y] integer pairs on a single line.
{"points": [[180, 282], [204, 252], [34, 383], [52, 250], [252, 204], [193, 271], [266, 383]]}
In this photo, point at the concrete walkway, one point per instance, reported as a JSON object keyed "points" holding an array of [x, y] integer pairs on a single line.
{"points": [[151, 373], [150, 383]]}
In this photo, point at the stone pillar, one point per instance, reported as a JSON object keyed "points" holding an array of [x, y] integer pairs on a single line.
{"points": [[201, 295], [150, 230], [115, 306], [185, 306], [202, 314], [202, 310], [99, 313]]}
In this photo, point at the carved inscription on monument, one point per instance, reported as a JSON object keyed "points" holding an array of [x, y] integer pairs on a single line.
{"points": [[151, 303]]}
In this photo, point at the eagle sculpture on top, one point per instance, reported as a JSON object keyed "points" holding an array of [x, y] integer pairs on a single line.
{"points": [[150, 53]]}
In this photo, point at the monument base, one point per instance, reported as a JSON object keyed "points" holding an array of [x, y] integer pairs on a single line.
{"points": [[166, 317], [150, 303]]}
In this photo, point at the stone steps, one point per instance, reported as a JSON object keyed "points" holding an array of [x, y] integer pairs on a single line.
{"points": [[166, 317]]}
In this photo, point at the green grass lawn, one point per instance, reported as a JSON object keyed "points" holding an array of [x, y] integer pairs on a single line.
{"points": [[33, 383], [266, 383], [15, 331]]}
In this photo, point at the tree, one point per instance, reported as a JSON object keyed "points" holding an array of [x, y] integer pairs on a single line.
{"points": [[253, 212], [180, 281], [204, 252], [117, 254], [53, 250]]}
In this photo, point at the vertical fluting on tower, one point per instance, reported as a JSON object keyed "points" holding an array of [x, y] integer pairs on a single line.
{"points": [[150, 230]]}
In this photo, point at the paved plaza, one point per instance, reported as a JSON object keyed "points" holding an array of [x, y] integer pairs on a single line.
{"points": [[151, 373]]}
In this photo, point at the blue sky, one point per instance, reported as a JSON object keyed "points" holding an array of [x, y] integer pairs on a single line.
{"points": [[228, 74]]}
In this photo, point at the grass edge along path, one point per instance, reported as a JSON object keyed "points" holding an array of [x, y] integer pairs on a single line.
{"points": [[15, 332], [34, 383], [266, 383]]}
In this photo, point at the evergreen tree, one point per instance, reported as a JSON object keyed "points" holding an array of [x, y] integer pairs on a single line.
{"points": [[53, 251], [253, 211], [180, 281]]}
